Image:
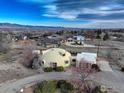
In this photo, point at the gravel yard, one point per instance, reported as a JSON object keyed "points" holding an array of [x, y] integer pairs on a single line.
{"points": [[11, 68]]}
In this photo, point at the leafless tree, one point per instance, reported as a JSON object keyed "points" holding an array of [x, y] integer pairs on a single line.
{"points": [[28, 57], [81, 83], [4, 46]]}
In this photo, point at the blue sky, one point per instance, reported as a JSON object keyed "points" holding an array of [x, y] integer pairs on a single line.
{"points": [[67, 13]]}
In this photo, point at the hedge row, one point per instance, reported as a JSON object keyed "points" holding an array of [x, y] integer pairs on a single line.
{"points": [[57, 69]]}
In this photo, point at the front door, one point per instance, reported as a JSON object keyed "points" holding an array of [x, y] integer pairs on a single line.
{"points": [[54, 65]]}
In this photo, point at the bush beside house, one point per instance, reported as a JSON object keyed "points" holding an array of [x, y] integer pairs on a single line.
{"points": [[48, 69], [57, 69]]}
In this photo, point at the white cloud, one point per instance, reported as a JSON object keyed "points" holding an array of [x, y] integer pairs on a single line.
{"points": [[49, 15], [73, 14], [50, 7], [52, 12], [68, 16], [103, 8], [100, 11], [38, 1], [62, 15]]}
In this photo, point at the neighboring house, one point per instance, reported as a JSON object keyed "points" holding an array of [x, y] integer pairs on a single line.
{"points": [[70, 40], [76, 40], [25, 38], [86, 59], [54, 37], [79, 39], [21, 44], [55, 57], [36, 52], [48, 43]]}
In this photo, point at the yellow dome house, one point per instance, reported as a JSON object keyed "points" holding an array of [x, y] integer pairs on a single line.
{"points": [[55, 57]]}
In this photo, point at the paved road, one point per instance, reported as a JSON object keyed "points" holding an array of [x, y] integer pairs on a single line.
{"points": [[113, 79], [13, 87]]}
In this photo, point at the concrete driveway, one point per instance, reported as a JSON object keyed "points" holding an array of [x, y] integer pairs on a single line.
{"points": [[114, 80], [104, 65]]}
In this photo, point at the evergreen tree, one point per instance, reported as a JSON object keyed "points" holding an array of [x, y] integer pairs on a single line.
{"points": [[106, 37], [46, 87]]}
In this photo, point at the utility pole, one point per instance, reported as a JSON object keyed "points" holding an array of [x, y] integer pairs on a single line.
{"points": [[98, 48]]}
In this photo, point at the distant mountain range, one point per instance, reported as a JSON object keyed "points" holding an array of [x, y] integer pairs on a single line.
{"points": [[18, 27]]}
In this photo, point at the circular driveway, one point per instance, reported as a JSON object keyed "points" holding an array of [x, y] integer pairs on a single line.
{"points": [[113, 79], [15, 86]]}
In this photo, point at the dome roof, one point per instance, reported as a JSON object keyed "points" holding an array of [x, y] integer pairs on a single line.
{"points": [[56, 55]]}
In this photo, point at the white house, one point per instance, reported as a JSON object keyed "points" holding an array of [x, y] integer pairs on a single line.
{"points": [[25, 38], [70, 40], [86, 57], [36, 52], [76, 40], [79, 39]]}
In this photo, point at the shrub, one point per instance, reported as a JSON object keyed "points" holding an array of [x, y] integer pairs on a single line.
{"points": [[46, 87], [95, 66], [48, 69], [60, 82], [51, 86], [98, 90], [65, 87], [106, 37], [122, 69], [59, 69]]}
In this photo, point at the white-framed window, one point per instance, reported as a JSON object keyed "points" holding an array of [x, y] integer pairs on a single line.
{"points": [[66, 62]]}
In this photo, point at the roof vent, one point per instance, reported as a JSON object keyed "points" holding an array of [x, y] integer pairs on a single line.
{"points": [[62, 54]]}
